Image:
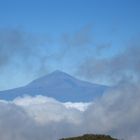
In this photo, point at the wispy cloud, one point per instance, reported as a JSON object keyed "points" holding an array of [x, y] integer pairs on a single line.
{"points": [[22, 53], [123, 66]]}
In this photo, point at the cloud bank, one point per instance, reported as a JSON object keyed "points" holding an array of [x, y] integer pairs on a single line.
{"points": [[36, 118]]}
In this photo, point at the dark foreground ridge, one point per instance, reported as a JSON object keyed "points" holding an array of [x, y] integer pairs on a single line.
{"points": [[91, 137]]}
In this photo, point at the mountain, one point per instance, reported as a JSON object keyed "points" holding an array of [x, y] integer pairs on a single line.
{"points": [[91, 137], [60, 86]]}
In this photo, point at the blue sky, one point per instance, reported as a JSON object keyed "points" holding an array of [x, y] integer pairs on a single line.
{"points": [[64, 34]]}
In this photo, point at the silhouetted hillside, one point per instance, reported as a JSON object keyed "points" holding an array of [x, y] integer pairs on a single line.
{"points": [[90, 137]]}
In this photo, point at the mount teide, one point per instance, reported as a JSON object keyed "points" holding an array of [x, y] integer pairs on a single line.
{"points": [[60, 86]]}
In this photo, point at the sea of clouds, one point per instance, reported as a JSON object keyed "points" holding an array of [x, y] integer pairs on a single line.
{"points": [[43, 118]]}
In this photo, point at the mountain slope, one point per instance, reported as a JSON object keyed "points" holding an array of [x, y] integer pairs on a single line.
{"points": [[60, 86]]}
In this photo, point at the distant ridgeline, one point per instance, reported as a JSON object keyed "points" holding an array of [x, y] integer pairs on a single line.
{"points": [[91, 137], [60, 86]]}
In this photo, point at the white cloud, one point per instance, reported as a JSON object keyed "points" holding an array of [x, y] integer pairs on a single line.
{"points": [[79, 106], [37, 118], [45, 109]]}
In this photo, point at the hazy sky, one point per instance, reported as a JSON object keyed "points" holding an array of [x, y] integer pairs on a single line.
{"points": [[40, 36]]}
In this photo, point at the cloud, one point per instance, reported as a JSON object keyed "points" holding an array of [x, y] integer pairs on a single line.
{"points": [[25, 56], [41, 118], [18, 45], [80, 38], [116, 113], [100, 48], [22, 55], [123, 66], [44, 109], [38, 118], [80, 105]]}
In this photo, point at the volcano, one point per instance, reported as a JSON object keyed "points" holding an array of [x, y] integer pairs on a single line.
{"points": [[59, 85]]}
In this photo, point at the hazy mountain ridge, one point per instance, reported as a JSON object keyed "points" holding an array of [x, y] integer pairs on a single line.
{"points": [[60, 86]]}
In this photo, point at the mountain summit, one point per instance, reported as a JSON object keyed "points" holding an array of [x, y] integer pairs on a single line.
{"points": [[60, 86], [53, 78]]}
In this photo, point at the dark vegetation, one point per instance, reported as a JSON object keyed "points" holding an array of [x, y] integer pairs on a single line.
{"points": [[91, 137]]}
